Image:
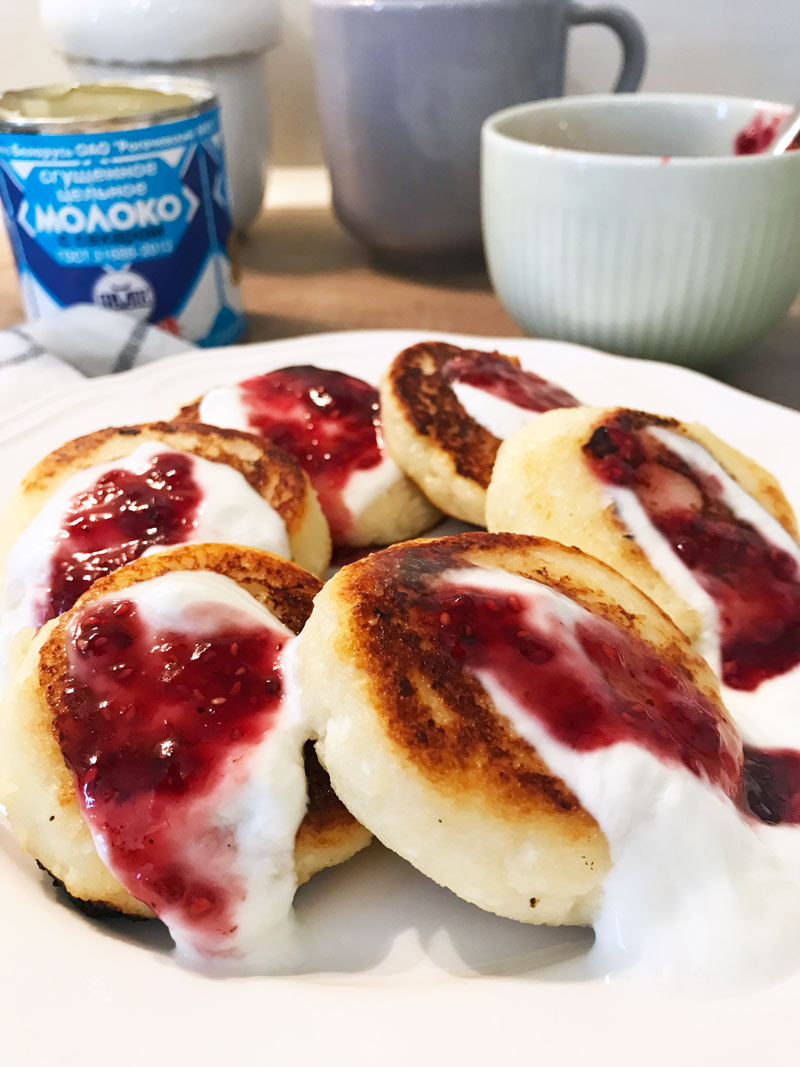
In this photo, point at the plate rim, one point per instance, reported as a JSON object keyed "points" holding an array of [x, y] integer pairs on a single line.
{"points": [[96, 386]]}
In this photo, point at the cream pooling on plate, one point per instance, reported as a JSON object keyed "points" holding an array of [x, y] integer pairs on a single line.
{"points": [[691, 870], [199, 819], [218, 504]]}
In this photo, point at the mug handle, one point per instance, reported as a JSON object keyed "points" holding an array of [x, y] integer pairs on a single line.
{"points": [[630, 33]]}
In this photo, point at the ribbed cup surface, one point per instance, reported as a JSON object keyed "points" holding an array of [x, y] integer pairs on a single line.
{"points": [[680, 259]]}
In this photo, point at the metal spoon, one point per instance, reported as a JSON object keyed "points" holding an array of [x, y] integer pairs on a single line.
{"points": [[788, 137]]}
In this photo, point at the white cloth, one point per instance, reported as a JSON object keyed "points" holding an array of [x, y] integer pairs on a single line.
{"points": [[81, 341]]}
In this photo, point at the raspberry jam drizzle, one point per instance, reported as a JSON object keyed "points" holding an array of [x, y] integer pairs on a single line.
{"points": [[115, 521], [503, 379], [151, 725], [754, 584], [328, 421], [772, 784], [590, 683]]}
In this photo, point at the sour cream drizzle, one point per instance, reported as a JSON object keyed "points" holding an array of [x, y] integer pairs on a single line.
{"points": [[110, 514], [328, 421], [731, 561], [698, 888], [499, 395], [186, 747]]}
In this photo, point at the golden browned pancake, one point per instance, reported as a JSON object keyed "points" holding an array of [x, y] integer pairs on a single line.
{"points": [[190, 412], [543, 484], [447, 453], [36, 785], [416, 748], [271, 472], [447, 448], [391, 510], [328, 835]]}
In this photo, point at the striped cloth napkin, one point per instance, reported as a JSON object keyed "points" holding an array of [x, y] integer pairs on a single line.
{"points": [[81, 341]]}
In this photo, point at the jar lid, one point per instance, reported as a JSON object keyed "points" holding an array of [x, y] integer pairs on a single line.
{"points": [[160, 31], [72, 107]]}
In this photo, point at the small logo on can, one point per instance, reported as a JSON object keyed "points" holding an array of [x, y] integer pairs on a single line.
{"points": [[125, 290]]}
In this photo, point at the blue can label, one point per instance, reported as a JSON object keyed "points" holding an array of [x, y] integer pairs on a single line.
{"points": [[132, 220]]}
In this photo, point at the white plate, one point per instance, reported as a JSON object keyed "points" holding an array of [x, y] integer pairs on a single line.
{"points": [[407, 973]]}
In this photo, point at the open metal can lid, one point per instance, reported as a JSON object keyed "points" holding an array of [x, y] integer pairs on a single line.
{"points": [[74, 107]]}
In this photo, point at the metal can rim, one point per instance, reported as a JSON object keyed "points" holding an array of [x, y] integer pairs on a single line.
{"points": [[203, 94]]}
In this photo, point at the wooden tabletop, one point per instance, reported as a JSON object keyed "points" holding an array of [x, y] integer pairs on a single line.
{"points": [[303, 274]]}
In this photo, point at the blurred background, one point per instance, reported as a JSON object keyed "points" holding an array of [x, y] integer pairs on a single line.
{"points": [[751, 56]]}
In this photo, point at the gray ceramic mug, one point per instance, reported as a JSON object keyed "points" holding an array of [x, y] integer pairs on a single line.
{"points": [[404, 86]]}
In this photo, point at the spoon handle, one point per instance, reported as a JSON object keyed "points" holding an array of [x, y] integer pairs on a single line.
{"points": [[786, 139]]}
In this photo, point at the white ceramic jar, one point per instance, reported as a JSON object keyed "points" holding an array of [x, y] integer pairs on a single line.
{"points": [[221, 41]]}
